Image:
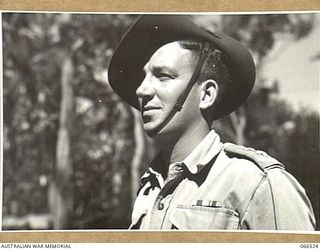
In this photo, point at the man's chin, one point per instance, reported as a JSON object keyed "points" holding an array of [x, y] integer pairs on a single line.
{"points": [[151, 132], [151, 129]]}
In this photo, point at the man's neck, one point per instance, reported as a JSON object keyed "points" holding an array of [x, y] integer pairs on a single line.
{"points": [[178, 149]]}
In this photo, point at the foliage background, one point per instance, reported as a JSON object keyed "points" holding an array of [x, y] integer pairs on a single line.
{"points": [[73, 151]]}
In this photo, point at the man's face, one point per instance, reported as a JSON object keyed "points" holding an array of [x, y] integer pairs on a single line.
{"points": [[167, 75]]}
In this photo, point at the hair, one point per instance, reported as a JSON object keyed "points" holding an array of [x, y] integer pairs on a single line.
{"points": [[215, 67]]}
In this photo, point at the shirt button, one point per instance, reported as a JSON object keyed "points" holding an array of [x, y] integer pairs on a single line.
{"points": [[160, 206]]}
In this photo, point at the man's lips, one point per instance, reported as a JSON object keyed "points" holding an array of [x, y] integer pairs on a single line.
{"points": [[147, 112], [147, 108]]}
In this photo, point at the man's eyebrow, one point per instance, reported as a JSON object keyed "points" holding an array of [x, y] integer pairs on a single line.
{"points": [[163, 68]]}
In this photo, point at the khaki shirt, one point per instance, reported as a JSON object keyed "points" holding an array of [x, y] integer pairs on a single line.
{"points": [[230, 187]]}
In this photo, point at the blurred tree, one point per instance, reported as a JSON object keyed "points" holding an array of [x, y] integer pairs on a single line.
{"points": [[139, 152], [38, 50], [302, 153], [62, 177]]}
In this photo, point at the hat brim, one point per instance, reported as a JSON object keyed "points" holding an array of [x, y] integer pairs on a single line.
{"points": [[150, 32]]}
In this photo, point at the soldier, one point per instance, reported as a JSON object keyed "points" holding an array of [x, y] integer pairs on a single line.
{"points": [[182, 78]]}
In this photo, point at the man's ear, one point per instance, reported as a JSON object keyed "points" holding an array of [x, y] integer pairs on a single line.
{"points": [[208, 95]]}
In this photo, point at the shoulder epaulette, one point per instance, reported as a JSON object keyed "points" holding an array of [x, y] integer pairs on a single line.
{"points": [[260, 158]]}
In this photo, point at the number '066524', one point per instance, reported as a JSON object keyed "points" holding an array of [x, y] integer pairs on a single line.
{"points": [[309, 245]]}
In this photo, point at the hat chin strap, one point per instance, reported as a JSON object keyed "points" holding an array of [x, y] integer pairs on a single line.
{"points": [[178, 106]]}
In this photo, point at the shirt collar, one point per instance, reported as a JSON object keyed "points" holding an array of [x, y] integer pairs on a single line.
{"points": [[200, 156]]}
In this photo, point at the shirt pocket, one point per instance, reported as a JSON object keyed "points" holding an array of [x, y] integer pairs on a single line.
{"points": [[204, 218]]}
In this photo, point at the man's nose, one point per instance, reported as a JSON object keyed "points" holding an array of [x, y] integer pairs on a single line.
{"points": [[145, 89]]}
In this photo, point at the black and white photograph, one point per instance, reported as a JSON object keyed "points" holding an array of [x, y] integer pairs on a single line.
{"points": [[161, 121]]}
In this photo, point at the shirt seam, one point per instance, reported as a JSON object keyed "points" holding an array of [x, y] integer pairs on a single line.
{"points": [[251, 198], [273, 204]]}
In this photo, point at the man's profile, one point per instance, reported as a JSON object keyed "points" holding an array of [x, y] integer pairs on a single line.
{"points": [[183, 78]]}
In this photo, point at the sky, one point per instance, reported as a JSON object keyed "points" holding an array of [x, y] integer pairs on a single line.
{"points": [[297, 73]]}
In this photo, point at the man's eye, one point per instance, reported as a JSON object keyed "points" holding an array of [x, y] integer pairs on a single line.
{"points": [[164, 76]]}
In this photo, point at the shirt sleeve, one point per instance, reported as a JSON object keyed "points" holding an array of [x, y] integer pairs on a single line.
{"points": [[279, 203]]}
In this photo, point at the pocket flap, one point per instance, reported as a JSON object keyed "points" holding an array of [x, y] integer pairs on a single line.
{"points": [[203, 218]]}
